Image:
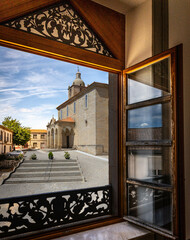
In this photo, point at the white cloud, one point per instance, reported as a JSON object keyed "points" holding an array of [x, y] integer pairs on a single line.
{"points": [[25, 110], [144, 124], [35, 117], [28, 81], [41, 94], [13, 54]]}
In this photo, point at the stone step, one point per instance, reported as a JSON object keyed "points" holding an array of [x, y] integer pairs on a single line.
{"points": [[49, 161], [44, 180], [52, 169], [43, 174], [46, 165]]}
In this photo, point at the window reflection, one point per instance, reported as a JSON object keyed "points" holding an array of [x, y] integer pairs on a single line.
{"points": [[138, 92], [149, 123], [150, 82], [150, 164], [150, 205]]}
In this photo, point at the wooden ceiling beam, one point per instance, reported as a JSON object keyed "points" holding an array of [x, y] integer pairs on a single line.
{"points": [[10, 9]]}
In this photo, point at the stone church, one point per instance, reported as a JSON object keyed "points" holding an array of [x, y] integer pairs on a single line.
{"points": [[82, 120]]}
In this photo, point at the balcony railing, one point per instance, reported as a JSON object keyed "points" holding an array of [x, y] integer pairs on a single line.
{"points": [[30, 213]]}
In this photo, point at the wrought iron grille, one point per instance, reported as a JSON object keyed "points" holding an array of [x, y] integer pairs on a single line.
{"points": [[61, 23], [35, 212]]}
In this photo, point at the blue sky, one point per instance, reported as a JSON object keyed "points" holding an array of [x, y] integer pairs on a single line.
{"points": [[32, 86], [145, 117]]}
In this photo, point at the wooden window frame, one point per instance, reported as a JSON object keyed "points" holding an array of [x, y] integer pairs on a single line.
{"points": [[176, 99]]}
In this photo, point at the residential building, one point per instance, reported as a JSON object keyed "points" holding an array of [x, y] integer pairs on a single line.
{"points": [[38, 139], [6, 140], [82, 120]]}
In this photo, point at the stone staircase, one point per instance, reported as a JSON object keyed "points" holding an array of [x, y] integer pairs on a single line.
{"points": [[43, 171]]}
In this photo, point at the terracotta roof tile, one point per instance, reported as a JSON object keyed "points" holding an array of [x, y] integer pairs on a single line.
{"points": [[69, 119], [38, 130]]}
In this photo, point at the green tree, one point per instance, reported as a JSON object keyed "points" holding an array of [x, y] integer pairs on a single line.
{"points": [[21, 135]]}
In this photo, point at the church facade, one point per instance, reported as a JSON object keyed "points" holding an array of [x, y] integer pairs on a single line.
{"points": [[82, 120]]}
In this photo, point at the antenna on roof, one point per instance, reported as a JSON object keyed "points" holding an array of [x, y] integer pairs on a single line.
{"points": [[78, 69]]}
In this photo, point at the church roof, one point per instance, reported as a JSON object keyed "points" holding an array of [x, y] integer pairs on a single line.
{"points": [[78, 81], [83, 92]]}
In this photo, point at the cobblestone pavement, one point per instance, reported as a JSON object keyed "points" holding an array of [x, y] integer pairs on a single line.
{"points": [[94, 170]]}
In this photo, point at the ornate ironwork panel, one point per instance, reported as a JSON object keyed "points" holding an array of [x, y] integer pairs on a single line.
{"points": [[61, 23], [35, 212]]}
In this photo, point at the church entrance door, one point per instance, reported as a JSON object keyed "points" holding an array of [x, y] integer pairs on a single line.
{"points": [[67, 141]]}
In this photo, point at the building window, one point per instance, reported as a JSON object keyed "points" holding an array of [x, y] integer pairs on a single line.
{"points": [[4, 136], [7, 137], [151, 144], [1, 136], [61, 114], [35, 145], [67, 111], [86, 101], [42, 136], [42, 145], [10, 148], [74, 107], [34, 136]]}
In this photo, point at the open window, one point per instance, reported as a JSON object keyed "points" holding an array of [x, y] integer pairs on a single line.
{"points": [[151, 140], [150, 143]]}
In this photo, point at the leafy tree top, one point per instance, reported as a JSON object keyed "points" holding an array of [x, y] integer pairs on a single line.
{"points": [[21, 135]]}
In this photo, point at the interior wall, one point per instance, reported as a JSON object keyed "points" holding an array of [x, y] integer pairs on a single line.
{"points": [[138, 43], [179, 19]]}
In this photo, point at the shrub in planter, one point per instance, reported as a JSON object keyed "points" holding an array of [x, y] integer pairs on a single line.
{"points": [[20, 156], [50, 155], [67, 155], [33, 156]]}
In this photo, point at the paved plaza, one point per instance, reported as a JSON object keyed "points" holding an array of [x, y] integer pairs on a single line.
{"points": [[43, 175]]}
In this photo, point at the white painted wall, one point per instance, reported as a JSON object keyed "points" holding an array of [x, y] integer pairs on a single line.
{"points": [[179, 32], [138, 34]]}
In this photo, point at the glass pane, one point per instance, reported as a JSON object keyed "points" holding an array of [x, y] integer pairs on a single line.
{"points": [[151, 164], [150, 123], [150, 206], [150, 82]]}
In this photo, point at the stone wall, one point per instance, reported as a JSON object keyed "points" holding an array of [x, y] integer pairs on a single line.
{"points": [[91, 121], [102, 119]]}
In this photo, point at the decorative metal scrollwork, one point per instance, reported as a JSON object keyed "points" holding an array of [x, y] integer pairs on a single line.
{"points": [[61, 23], [30, 213]]}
